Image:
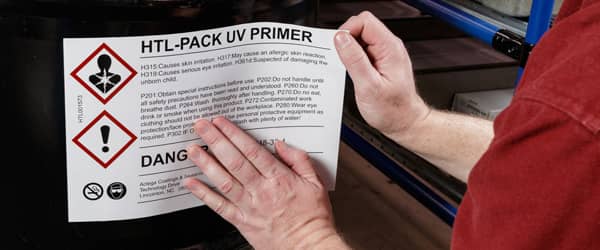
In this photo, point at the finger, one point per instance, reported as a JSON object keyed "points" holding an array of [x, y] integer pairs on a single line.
{"points": [[368, 28], [224, 182], [385, 49], [258, 155], [215, 201], [298, 160], [227, 153], [366, 79]]}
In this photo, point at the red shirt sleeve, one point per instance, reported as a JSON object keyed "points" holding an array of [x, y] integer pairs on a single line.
{"points": [[538, 185]]}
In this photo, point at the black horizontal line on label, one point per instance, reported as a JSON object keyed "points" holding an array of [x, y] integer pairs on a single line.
{"points": [[292, 126], [296, 126], [170, 143], [234, 46], [178, 169], [164, 198], [310, 153], [167, 171]]}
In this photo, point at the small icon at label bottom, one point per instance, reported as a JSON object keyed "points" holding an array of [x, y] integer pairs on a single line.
{"points": [[92, 191], [116, 190]]}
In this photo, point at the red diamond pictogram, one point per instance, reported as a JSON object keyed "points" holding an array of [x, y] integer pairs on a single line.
{"points": [[93, 142], [104, 94]]}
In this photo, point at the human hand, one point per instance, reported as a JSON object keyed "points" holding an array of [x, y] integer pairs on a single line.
{"points": [[382, 74], [274, 204]]}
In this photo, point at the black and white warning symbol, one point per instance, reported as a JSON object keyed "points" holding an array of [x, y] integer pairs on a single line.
{"points": [[104, 139], [116, 190], [92, 191], [103, 73], [105, 80]]}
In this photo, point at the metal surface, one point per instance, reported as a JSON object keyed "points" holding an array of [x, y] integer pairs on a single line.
{"points": [[487, 14], [510, 44], [471, 25], [435, 203], [487, 25], [539, 22]]}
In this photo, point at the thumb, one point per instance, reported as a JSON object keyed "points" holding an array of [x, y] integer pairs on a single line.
{"points": [[298, 160], [356, 61]]}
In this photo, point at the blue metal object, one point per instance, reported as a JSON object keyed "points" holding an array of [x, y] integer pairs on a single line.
{"points": [[519, 75], [440, 207], [466, 22], [539, 20]]}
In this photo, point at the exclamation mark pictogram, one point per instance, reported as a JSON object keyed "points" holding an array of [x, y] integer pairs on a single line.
{"points": [[105, 130]]}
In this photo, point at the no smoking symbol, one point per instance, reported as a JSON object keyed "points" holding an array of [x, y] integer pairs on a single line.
{"points": [[92, 191]]}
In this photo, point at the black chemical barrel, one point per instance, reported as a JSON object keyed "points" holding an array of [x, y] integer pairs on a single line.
{"points": [[31, 80]]}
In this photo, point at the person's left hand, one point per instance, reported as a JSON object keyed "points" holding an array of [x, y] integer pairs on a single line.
{"points": [[274, 204]]}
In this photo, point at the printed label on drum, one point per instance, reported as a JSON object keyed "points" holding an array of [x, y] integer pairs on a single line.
{"points": [[130, 103]]}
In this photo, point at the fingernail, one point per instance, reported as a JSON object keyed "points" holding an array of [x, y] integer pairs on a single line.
{"points": [[198, 119], [342, 39], [201, 126], [190, 183], [281, 145], [192, 151], [217, 118], [216, 121]]}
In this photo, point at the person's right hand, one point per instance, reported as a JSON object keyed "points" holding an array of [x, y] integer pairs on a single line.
{"points": [[382, 75]]}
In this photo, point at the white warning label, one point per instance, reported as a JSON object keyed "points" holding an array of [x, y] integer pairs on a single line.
{"points": [[130, 103]]}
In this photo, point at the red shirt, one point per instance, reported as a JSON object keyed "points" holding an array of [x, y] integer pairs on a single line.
{"points": [[538, 185]]}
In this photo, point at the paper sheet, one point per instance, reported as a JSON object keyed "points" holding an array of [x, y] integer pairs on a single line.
{"points": [[130, 103]]}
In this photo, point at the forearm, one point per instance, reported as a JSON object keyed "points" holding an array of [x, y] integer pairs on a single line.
{"points": [[384, 86], [451, 141]]}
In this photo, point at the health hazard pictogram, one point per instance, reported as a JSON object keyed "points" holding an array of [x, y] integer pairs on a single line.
{"points": [[103, 73], [104, 139]]}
